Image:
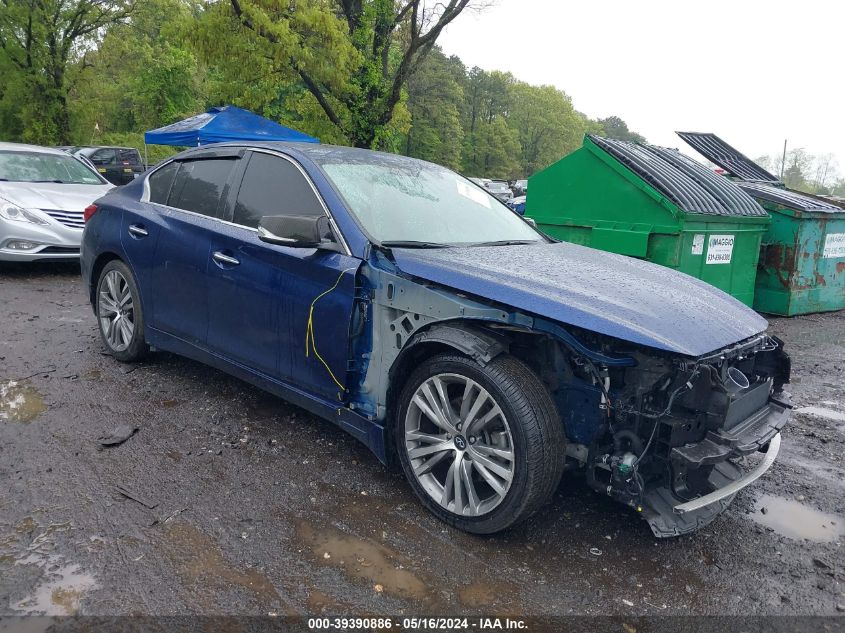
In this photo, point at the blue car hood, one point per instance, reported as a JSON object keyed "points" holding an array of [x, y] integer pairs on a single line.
{"points": [[610, 294]]}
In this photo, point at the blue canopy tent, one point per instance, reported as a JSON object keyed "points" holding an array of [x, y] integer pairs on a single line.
{"points": [[225, 123]]}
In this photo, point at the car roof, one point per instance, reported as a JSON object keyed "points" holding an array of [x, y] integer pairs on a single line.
{"points": [[79, 147], [313, 151], [23, 147]]}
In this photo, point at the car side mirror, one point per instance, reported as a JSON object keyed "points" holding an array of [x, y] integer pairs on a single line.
{"points": [[297, 231]]}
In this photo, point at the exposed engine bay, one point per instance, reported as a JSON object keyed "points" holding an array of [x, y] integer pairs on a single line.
{"points": [[664, 430]]}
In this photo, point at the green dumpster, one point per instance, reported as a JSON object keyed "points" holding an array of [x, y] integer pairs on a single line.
{"points": [[802, 260], [653, 203]]}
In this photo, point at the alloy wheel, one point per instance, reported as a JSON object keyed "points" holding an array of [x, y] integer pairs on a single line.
{"points": [[459, 445], [116, 311]]}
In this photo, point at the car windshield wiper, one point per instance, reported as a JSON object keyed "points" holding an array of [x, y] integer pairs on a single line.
{"points": [[506, 243], [413, 244], [56, 180]]}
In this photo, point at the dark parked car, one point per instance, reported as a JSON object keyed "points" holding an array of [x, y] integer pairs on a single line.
{"points": [[480, 355], [118, 165]]}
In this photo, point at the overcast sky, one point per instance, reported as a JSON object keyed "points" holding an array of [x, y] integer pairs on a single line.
{"points": [[753, 72]]}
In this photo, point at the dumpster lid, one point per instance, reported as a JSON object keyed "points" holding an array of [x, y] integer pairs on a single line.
{"points": [[728, 158], [790, 199], [725, 191], [686, 183]]}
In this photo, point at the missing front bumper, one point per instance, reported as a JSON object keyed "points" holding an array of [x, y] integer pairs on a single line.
{"points": [[668, 515], [735, 486]]}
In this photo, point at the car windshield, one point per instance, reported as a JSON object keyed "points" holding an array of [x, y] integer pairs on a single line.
{"points": [[403, 200], [19, 166]]}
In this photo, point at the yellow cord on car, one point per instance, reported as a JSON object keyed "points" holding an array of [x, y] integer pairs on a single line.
{"points": [[309, 330]]}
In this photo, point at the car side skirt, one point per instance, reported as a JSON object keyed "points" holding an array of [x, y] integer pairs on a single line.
{"points": [[369, 432]]}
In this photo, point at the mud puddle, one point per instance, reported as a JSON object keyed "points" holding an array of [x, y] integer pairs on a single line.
{"points": [[20, 402], [385, 569], [201, 565], [61, 592], [62, 585], [796, 521], [484, 594]]}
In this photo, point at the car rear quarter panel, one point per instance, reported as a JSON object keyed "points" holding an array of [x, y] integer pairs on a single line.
{"points": [[100, 241]]}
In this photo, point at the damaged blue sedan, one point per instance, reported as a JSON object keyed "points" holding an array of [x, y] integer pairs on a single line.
{"points": [[410, 307]]}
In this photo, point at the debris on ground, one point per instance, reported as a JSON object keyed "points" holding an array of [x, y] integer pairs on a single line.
{"points": [[129, 494], [118, 436], [170, 516]]}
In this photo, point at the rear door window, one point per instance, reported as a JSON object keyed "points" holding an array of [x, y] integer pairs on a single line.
{"points": [[199, 185], [274, 186], [161, 181], [130, 156], [103, 157]]}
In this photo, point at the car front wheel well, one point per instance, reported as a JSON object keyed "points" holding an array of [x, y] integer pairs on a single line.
{"points": [[475, 342], [471, 341]]}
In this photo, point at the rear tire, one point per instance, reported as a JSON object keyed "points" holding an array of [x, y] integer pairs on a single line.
{"points": [[119, 313], [482, 447]]}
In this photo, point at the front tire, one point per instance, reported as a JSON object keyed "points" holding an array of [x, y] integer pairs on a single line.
{"points": [[482, 447], [119, 313]]}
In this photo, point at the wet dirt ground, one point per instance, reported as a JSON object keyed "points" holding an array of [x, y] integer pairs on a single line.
{"points": [[246, 505]]}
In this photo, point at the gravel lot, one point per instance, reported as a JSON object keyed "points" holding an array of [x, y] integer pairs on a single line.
{"points": [[260, 508]]}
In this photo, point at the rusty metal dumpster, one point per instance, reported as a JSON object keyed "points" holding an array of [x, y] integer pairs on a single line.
{"points": [[802, 256]]}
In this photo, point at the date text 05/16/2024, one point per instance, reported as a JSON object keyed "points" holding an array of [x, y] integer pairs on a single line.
{"points": [[417, 623]]}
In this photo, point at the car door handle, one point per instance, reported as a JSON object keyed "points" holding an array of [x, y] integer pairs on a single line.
{"points": [[138, 231], [222, 258]]}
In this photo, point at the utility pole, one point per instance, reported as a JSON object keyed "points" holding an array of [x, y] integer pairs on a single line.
{"points": [[783, 161]]}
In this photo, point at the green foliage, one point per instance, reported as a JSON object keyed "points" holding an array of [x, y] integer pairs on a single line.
{"points": [[547, 124], [361, 72], [794, 178], [353, 56], [495, 152], [40, 44], [805, 172], [614, 127], [435, 100], [489, 124], [140, 77]]}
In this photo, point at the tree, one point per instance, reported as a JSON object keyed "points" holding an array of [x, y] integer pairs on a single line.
{"points": [[435, 99], [39, 42], [825, 173], [615, 127], [496, 151], [547, 125], [798, 164], [140, 77], [766, 162], [487, 100], [353, 56]]}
